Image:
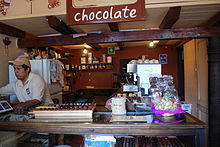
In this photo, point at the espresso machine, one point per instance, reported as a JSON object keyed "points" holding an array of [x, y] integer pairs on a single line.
{"points": [[139, 74], [131, 79]]}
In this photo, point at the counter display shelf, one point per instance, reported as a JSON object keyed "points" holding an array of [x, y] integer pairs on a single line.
{"points": [[102, 125]]}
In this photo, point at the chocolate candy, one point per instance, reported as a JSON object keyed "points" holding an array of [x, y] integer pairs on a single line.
{"points": [[66, 107]]}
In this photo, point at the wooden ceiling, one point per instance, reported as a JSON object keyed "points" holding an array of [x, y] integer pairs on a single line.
{"points": [[166, 24]]}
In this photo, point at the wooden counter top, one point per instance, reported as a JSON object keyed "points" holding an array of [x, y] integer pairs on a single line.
{"points": [[101, 125]]}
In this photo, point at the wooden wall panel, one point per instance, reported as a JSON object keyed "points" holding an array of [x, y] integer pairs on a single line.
{"points": [[190, 75], [202, 69], [196, 77]]}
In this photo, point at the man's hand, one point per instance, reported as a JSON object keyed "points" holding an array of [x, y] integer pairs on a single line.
{"points": [[19, 108]]}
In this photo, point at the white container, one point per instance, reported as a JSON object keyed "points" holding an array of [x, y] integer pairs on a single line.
{"points": [[90, 60], [67, 67], [118, 105], [89, 55], [131, 68]]}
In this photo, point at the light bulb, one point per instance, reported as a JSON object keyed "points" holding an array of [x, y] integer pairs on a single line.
{"points": [[151, 44], [85, 51]]}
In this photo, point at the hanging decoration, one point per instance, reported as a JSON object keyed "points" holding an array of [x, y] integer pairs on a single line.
{"points": [[53, 3], [6, 42], [4, 5]]}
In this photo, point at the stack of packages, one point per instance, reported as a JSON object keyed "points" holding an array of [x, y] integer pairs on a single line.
{"points": [[165, 100], [71, 112]]}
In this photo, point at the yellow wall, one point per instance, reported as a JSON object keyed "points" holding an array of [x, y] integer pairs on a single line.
{"points": [[7, 54]]}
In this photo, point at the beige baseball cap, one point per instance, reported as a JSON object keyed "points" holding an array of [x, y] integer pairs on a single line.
{"points": [[22, 60]]}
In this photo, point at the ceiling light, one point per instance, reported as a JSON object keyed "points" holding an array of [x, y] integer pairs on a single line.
{"points": [[85, 51], [151, 44]]}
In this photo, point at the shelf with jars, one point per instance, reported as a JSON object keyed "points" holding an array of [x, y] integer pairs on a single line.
{"points": [[90, 63], [96, 66]]}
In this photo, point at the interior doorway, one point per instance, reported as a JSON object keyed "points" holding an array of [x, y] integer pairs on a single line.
{"points": [[180, 70]]}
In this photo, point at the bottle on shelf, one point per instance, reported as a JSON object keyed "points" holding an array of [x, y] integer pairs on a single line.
{"points": [[84, 67], [83, 59], [95, 66], [89, 57], [91, 66], [100, 66], [109, 59], [104, 58], [108, 66], [103, 66]]}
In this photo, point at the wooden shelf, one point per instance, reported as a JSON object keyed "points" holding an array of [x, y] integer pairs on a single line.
{"points": [[68, 76], [95, 63], [95, 70], [96, 67]]}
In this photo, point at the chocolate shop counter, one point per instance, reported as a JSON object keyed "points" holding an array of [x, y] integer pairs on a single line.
{"points": [[185, 126]]}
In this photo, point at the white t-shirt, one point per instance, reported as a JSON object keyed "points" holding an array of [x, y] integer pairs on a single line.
{"points": [[34, 88]]}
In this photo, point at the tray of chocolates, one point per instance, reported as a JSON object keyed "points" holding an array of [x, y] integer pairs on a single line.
{"points": [[159, 141], [65, 112], [148, 141]]}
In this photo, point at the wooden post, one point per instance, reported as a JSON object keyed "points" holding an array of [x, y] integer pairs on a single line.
{"points": [[213, 91]]}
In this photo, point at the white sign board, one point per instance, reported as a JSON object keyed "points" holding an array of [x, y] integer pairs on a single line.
{"points": [[144, 71]]}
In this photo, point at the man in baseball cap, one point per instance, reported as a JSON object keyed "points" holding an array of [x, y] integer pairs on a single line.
{"points": [[30, 88]]}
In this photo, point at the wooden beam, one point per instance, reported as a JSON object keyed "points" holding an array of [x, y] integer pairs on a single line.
{"points": [[114, 28], [12, 31], [61, 48], [95, 47], [61, 27], [169, 20], [213, 21], [122, 36]]}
